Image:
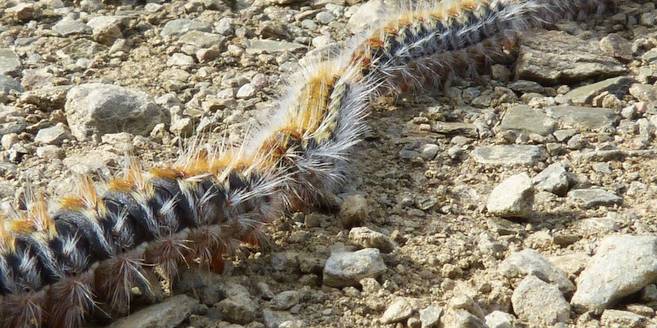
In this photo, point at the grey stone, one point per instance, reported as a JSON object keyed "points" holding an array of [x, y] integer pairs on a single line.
{"points": [[594, 197], [106, 29], [168, 314], [622, 319], [401, 309], [616, 46], [554, 179], [97, 108], [49, 152], [499, 319], [7, 85], [430, 316], [429, 151], [285, 300], [181, 26], [246, 91], [513, 197], [526, 119], [22, 11], [201, 39], [555, 57], [9, 62], [588, 118], [459, 318], [539, 303], [67, 26], [53, 135], [622, 265], [271, 46], [531, 262], [325, 17], [509, 155], [238, 308], [642, 92], [344, 269], [276, 319], [524, 86], [617, 86]]}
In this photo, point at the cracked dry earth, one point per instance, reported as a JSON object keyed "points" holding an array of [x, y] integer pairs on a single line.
{"points": [[522, 198]]}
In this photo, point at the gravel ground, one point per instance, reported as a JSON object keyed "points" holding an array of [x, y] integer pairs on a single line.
{"points": [[525, 197]]}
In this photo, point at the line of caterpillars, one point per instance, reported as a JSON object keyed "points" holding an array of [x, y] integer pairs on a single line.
{"points": [[59, 268]]}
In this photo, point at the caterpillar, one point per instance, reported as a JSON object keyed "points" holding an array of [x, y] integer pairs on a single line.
{"points": [[62, 266]]}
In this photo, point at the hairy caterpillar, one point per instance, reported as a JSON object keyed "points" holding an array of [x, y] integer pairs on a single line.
{"points": [[59, 266]]}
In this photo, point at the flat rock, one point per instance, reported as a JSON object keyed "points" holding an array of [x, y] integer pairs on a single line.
{"points": [[617, 86], [201, 39], [67, 26], [554, 57], [554, 179], [271, 46], [585, 118], [97, 108], [539, 303], [622, 265], [526, 119], [344, 269], [594, 197], [513, 197], [182, 26], [168, 314], [531, 262], [509, 155], [9, 62]]}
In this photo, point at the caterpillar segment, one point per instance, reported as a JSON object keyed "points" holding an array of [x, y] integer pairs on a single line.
{"points": [[431, 34], [60, 267]]}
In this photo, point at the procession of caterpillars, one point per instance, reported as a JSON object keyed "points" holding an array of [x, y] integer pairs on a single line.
{"points": [[60, 267]]}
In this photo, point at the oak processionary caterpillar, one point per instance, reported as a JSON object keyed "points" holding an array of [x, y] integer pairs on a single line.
{"points": [[60, 267]]}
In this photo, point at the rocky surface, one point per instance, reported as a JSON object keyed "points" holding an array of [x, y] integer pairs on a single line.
{"points": [[411, 241]]}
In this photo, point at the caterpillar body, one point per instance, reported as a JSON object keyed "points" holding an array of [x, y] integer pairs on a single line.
{"points": [[59, 267]]}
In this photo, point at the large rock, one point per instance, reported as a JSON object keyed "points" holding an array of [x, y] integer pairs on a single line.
{"points": [[168, 314], [622, 265], [526, 119], [344, 269], [539, 303], [514, 197], [586, 118], [531, 262], [103, 108], [554, 57]]}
